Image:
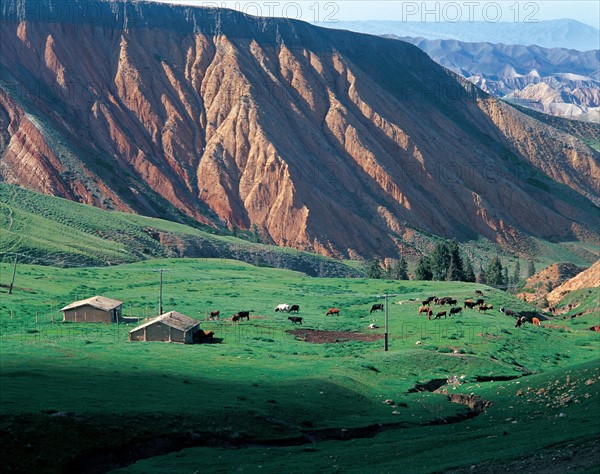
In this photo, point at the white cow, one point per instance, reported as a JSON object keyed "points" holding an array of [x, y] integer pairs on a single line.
{"points": [[283, 308]]}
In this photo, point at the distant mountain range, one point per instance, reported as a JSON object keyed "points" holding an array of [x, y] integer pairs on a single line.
{"points": [[563, 33], [345, 144], [556, 81]]}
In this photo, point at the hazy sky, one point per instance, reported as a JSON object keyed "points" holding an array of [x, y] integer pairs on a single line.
{"points": [[586, 11]]}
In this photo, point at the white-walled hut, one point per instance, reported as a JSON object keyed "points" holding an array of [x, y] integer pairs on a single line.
{"points": [[97, 309], [168, 327]]}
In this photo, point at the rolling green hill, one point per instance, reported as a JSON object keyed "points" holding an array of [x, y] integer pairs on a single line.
{"points": [[54, 231]]}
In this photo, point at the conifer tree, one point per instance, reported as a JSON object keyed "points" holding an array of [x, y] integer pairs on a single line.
{"points": [[493, 273], [423, 270], [469, 272], [374, 270]]}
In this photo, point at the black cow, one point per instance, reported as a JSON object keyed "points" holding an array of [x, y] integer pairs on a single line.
{"points": [[455, 310], [479, 301], [520, 321], [376, 307], [243, 314], [295, 319], [294, 308], [470, 304]]}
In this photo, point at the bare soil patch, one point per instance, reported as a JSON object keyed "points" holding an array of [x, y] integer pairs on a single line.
{"points": [[322, 337]]}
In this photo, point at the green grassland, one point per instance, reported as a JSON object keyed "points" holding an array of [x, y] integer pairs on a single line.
{"points": [[81, 398], [53, 231]]}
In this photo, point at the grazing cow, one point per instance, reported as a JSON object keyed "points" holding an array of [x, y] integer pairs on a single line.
{"points": [[485, 307], [536, 322], [439, 314], [427, 310], [595, 328], [455, 310], [508, 312], [236, 318], [520, 321], [294, 308], [444, 300], [425, 302], [376, 307], [295, 319], [283, 308], [479, 301], [214, 315], [331, 311], [479, 292], [241, 315], [203, 336], [470, 304]]}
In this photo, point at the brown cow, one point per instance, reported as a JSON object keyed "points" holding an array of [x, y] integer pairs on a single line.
{"points": [[203, 336], [485, 307], [536, 322], [479, 292], [439, 314], [427, 310], [214, 315], [332, 311]]}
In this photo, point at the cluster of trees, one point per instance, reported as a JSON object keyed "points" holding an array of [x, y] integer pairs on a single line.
{"points": [[447, 264], [397, 270]]}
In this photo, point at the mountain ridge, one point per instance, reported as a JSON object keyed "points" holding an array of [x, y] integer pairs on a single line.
{"points": [[559, 81], [201, 115], [561, 33]]}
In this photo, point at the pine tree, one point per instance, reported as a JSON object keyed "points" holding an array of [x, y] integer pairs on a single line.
{"points": [[517, 274], [469, 272], [458, 272], [388, 272], [423, 270], [480, 275], [440, 261], [401, 269], [505, 279], [530, 269], [493, 273], [374, 270]]}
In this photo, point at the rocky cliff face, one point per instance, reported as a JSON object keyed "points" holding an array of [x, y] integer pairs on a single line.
{"points": [[326, 140]]}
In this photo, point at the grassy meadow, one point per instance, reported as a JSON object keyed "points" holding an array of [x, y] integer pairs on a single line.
{"points": [[81, 398]]}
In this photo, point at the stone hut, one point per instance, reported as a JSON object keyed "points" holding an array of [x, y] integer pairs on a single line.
{"points": [[168, 327], [97, 309]]}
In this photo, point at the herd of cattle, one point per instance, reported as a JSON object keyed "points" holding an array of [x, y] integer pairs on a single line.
{"points": [[425, 307]]}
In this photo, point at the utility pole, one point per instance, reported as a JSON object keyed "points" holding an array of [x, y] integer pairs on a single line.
{"points": [[160, 306], [160, 291], [12, 280]]}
